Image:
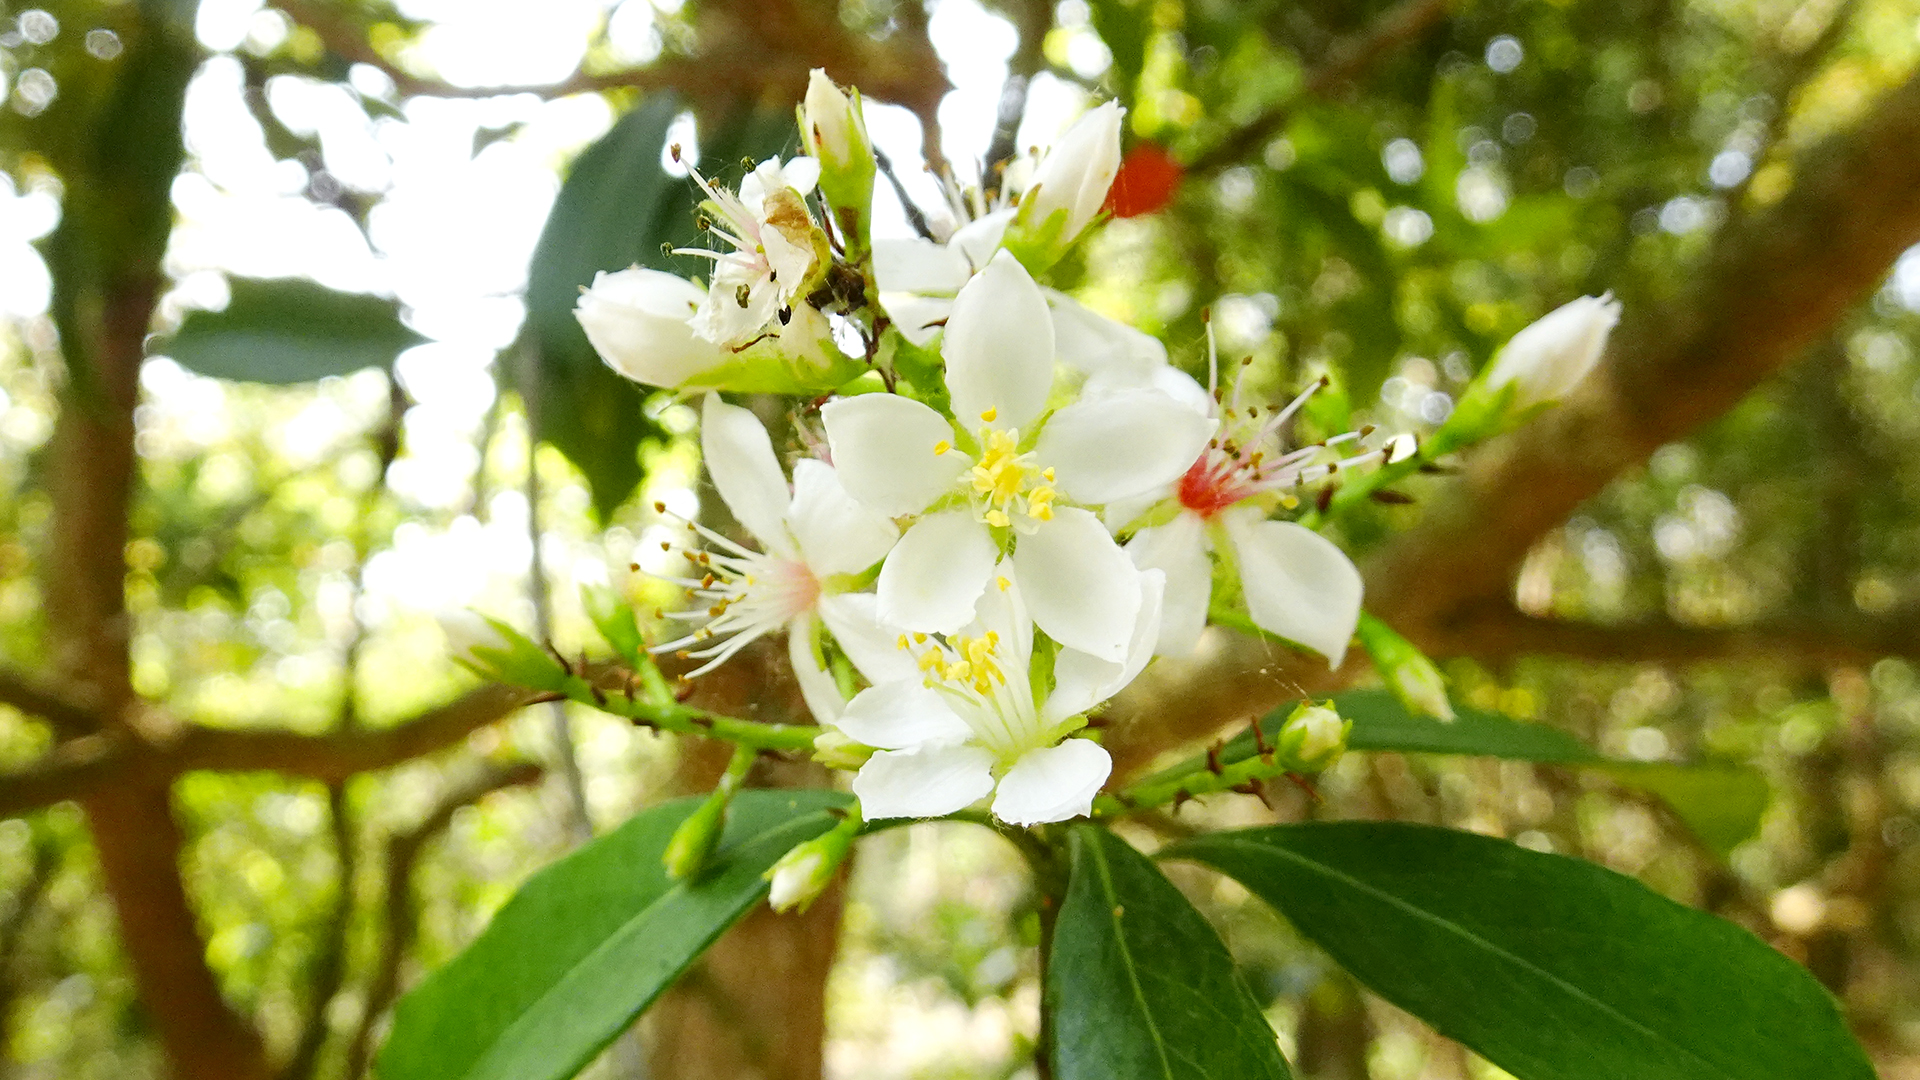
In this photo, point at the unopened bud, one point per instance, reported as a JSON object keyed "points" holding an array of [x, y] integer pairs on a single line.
{"points": [[803, 873], [638, 321], [837, 751], [835, 131], [1068, 187], [1545, 361], [1314, 735], [1408, 673], [695, 841]]}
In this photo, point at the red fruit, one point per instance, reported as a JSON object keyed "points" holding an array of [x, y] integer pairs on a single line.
{"points": [[1146, 182]]}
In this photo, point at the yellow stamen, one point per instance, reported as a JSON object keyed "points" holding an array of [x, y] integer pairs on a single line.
{"points": [[902, 643], [989, 416], [1005, 584], [941, 447]]}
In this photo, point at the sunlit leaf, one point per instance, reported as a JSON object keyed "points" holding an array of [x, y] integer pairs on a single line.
{"points": [[588, 943], [290, 330], [1550, 967]]}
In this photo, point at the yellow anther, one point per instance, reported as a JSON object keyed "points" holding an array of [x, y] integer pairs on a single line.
{"points": [[941, 447], [902, 643], [1004, 584], [989, 416], [1289, 502], [1047, 474], [998, 519], [919, 639]]}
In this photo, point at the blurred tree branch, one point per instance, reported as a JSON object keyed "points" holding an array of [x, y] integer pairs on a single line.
{"points": [[81, 766], [403, 853], [68, 717], [1762, 294]]}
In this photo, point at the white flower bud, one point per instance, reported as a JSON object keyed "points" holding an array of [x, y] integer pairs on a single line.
{"points": [[1419, 684], [1548, 359], [637, 320], [833, 129], [1314, 735], [1077, 171], [466, 630], [797, 878]]}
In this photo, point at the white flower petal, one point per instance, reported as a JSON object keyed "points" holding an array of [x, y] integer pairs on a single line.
{"points": [[977, 240], [1002, 610], [817, 686], [1179, 549], [854, 621], [1081, 588], [1053, 783], [936, 572], [901, 715], [1080, 681], [790, 262], [639, 321], [919, 266], [884, 447], [999, 346], [1088, 341], [745, 471], [1552, 355], [1121, 445], [1297, 583], [1079, 168], [928, 782], [918, 318], [837, 535]]}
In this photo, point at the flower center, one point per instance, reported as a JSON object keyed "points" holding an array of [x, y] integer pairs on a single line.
{"points": [[738, 596], [1004, 479]]}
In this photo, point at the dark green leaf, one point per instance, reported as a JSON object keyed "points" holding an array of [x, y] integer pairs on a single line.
{"points": [[290, 330], [1380, 722], [616, 209], [588, 943], [1139, 986], [1550, 967]]}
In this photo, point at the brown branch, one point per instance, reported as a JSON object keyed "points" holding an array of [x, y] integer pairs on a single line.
{"points": [[337, 755], [1346, 61], [82, 766], [1494, 633], [1764, 293], [330, 963], [68, 716], [403, 851]]}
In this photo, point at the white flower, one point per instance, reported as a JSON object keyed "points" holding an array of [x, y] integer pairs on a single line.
{"points": [[1548, 359], [777, 248], [798, 879], [1296, 583], [1314, 734], [901, 457], [639, 321], [1073, 178], [810, 535], [918, 279], [975, 725]]}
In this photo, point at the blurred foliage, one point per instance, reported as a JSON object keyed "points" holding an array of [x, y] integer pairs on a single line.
{"points": [[1388, 232]]}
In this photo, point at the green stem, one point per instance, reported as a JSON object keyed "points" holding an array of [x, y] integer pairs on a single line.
{"points": [[1205, 780], [670, 715]]}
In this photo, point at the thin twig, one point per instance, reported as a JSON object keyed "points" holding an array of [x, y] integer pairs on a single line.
{"points": [[403, 852]]}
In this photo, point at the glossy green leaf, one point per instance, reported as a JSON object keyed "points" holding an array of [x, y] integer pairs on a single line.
{"points": [[588, 943], [290, 330], [1380, 722], [1139, 986], [1550, 967], [1721, 804], [617, 208]]}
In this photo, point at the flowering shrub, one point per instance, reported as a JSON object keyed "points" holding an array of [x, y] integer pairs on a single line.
{"points": [[988, 512]]}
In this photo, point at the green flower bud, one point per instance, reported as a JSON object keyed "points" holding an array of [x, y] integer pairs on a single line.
{"points": [[1408, 673], [835, 133], [1314, 735], [694, 842]]}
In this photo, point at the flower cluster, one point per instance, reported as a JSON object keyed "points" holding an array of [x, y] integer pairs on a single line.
{"points": [[1002, 505]]}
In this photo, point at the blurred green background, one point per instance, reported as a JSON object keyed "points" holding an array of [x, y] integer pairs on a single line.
{"points": [[312, 263]]}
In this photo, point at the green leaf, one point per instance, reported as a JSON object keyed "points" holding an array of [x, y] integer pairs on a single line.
{"points": [[1139, 986], [290, 330], [1721, 804], [588, 943], [1550, 967], [616, 209]]}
